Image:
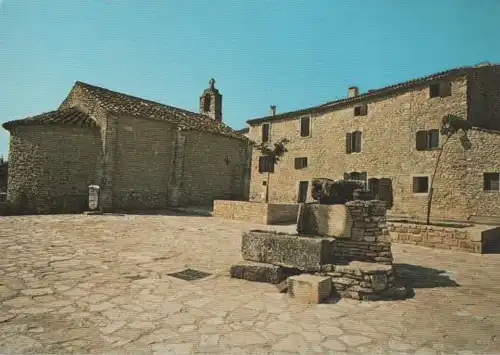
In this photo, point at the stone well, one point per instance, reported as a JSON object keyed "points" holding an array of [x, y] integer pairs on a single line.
{"points": [[345, 249]]}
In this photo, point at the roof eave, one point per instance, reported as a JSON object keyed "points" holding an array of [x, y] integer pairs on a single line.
{"points": [[375, 93]]}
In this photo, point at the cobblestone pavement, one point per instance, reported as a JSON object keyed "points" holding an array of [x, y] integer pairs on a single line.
{"points": [[99, 284]]}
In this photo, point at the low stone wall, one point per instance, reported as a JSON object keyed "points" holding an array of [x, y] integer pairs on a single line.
{"points": [[475, 239], [281, 213], [255, 212], [349, 250], [364, 281], [359, 228]]}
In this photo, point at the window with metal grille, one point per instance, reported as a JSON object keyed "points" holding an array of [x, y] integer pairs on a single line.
{"points": [[305, 126], [491, 182], [420, 184], [300, 163], [427, 140]]}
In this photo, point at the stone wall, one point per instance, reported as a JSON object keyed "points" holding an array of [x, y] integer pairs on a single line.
{"points": [[281, 213], [474, 239], [51, 167], [359, 228], [389, 149], [255, 212], [214, 168], [143, 163]]}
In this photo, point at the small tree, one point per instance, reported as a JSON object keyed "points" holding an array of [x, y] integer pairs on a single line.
{"points": [[4, 167], [450, 125], [274, 155]]}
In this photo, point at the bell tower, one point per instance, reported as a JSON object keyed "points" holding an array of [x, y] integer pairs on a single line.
{"points": [[211, 102]]}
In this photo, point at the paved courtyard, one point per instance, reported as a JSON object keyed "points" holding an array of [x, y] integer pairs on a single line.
{"points": [[99, 284]]}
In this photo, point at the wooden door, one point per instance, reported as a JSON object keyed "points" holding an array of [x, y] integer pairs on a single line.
{"points": [[302, 195]]}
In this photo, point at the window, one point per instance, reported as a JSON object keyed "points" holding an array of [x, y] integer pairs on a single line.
{"points": [[357, 176], [353, 142], [381, 189], [265, 132], [265, 164], [305, 126], [440, 90], [427, 140], [491, 182], [420, 184], [361, 110], [300, 163]]}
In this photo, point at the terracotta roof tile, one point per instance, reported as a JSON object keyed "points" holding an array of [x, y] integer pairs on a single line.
{"points": [[385, 91], [118, 102], [71, 116]]}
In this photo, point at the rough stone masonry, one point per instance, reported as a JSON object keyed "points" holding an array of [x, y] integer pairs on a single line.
{"points": [[355, 263]]}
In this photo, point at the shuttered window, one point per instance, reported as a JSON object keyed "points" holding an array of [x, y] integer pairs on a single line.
{"points": [[361, 110], [491, 182], [265, 164], [433, 139], [305, 125], [440, 90], [427, 140], [348, 143], [265, 132], [357, 176], [353, 142], [421, 140], [357, 142], [300, 163]]}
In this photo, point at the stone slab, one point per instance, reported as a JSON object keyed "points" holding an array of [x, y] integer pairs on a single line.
{"points": [[326, 220], [309, 288], [261, 272], [301, 252]]}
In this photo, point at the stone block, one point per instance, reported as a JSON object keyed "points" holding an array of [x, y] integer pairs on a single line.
{"points": [[309, 288], [326, 220], [260, 272], [304, 253]]}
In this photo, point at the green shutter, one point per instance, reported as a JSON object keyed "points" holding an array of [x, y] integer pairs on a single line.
{"points": [[421, 140], [434, 139], [385, 191], [357, 141], [348, 143]]}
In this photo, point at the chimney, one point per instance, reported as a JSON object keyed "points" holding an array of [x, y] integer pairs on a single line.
{"points": [[273, 110], [353, 91]]}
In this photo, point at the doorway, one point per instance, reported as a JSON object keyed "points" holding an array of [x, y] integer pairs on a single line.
{"points": [[303, 187], [381, 189]]}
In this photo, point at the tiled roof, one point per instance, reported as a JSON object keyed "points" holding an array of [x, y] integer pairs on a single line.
{"points": [[243, 130], [385, 91], [71, 116], [117, 102]]}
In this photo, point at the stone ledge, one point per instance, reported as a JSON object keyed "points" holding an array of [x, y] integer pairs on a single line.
{"points": [[260, 272], [293, 251]]}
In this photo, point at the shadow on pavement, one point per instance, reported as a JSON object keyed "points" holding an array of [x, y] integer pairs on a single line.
{"points": [[415, 276]]}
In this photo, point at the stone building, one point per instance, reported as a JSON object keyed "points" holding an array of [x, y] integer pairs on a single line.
{"points": [[143, 154], [389, 138]]}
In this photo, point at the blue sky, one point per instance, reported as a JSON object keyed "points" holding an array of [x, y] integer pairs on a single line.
{"points": [[291, 53]]}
